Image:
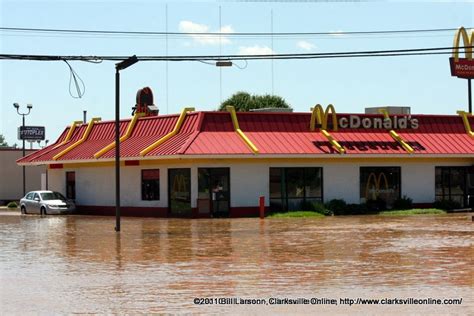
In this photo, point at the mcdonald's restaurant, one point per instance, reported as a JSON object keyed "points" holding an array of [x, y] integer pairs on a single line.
{"points": [[218, 164]]}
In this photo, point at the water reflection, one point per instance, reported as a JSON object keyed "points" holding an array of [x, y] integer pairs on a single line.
{"points": [[80, 265]]}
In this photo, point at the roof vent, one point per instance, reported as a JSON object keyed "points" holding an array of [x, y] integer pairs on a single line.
{"points": [[390, 109], [285, 110]]}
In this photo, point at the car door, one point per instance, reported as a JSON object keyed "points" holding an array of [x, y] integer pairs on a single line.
{"points": [[35, 203], [27, 202]]}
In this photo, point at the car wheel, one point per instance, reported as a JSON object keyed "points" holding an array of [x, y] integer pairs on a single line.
{"points": [[43, 210], [23, 210]]}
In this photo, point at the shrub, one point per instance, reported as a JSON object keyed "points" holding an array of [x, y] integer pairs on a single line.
{"points": [[337, 206], [357, 209], [320, 208], [446, 205], [317, 207], [12, 205], [404, 203]]}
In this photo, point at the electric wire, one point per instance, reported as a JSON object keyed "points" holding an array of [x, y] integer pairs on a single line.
{"points": [[234, 34], [346, 54], [74, 77]]}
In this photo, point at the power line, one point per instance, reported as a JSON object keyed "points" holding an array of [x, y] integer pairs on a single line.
{"points": [[347, 54], [235, 34]]}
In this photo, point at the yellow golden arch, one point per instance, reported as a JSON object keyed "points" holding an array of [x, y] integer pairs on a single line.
{"points": [[321, 116], [179, 183], [468, 40], [377, 181]]}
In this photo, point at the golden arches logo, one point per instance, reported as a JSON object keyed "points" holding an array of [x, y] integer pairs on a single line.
{"points": [[321, 116], [468, 40], [377, 181], [179, 183]]}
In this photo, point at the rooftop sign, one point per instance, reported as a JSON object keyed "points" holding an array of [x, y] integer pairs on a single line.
{"points": [[355, 121], [462, 67]]}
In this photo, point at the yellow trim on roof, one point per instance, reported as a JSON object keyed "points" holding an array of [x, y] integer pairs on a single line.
{"points": [[464, 115], [394, 134], [80, 141], [69, 133], [333, 142], [124, 137], [239, 132], [175, 131], [400, 140]]}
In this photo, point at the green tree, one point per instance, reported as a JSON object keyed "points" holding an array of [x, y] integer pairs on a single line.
{"points": [[243, 102], [3, 143]]}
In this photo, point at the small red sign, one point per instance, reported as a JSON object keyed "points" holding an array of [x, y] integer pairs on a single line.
{"points": [[463, 68]]}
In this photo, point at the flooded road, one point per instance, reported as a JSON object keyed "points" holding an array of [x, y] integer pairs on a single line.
{"points": [[78, 264]]}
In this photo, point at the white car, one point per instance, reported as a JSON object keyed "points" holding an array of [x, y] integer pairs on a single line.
{"points": [[46, 202]]}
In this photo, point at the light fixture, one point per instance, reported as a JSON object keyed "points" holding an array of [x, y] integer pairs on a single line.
{"points": [[223, 63], [126, 63]]}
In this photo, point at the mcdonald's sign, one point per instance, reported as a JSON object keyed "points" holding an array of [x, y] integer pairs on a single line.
{"points": [[373, 188], [462, 67], [321, 116], [179, 184]]}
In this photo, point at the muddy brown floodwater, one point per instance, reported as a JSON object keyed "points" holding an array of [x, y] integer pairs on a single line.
{"points": [[78, 264]]}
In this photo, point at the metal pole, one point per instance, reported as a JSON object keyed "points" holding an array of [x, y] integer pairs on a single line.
{"points": [[117, 150], [24, 175], [469, 94]]}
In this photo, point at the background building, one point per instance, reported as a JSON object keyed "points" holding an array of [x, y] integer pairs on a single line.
{"points": [[11, 177]]}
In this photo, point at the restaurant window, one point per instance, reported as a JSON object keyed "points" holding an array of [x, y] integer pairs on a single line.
{"points": [[179, 191], [71, 185], [151, 184], [450, 184], [214, 191], [380, 184], [293, 188]]}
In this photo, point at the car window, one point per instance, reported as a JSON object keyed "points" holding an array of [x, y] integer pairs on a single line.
{"points": [[29, 196], [59, 196], [36, 196], [47, 196]]}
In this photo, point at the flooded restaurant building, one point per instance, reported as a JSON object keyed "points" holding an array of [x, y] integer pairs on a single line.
{"points": [[211, 163]]}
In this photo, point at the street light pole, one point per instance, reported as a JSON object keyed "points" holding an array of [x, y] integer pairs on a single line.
{"points": [[119, 66], [17, 107], [23, 155]]}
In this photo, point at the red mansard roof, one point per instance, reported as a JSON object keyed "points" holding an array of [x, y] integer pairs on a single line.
{"points": [[274, 134]]}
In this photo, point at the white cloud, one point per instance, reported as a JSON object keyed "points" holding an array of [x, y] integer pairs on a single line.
{"points": [[306, 45], [337, 33], [191, 27], [255, 50]]}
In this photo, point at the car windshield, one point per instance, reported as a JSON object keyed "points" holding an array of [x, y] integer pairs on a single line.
{"points": [[52, 196]]}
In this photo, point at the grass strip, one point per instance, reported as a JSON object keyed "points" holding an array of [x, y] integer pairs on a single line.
{"points": [[295, 214], [415, 211]]}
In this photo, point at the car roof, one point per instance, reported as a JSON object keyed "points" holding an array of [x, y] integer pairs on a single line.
{"points": [[41, 191]]}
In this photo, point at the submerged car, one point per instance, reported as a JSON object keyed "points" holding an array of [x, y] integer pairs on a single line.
{"points": [[46, 202]]}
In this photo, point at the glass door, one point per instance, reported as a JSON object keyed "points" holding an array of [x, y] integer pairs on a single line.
{"points": [[214, 191], [470, 187], [179, 191]]}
